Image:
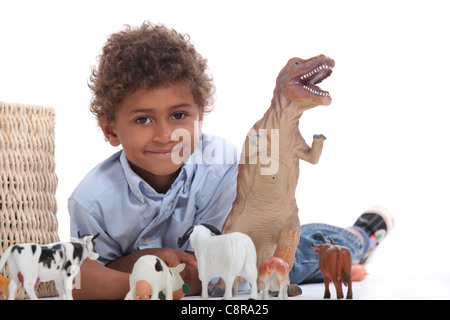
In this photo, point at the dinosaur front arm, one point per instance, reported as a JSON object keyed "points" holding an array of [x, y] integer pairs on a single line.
{"points": [[310, 154]]}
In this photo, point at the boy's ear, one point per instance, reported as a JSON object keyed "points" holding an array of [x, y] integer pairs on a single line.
{"points": [[200, 123], [200, 116], [109, 133]]}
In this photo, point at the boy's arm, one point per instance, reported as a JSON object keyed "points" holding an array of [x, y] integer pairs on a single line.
{"points": [[100, 282]]}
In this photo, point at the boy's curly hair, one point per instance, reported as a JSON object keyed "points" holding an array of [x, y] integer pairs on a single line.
{"points": [[145, 57]]}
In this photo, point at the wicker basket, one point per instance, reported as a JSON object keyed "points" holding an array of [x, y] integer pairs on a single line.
{"points": [[27, 181]]}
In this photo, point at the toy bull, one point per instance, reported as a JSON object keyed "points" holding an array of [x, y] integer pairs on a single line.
{"points": [[274, 274], [31, 263], [151, 275], [335, 263]]}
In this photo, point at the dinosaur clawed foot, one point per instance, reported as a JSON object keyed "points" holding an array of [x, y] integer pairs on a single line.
{"points": [[319, 138]]}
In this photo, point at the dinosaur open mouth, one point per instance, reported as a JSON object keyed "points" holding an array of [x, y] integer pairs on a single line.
{"points": [[310, 79]]}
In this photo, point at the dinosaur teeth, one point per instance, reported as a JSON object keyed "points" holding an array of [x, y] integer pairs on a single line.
{"points": [[315, 76], [315, 71], [325, 94]]}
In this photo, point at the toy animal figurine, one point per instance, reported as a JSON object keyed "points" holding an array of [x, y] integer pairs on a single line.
{"points": [[335, 263], [359, 272], [227, 256], [31, 263], [274, 274], [265, 207], [4, 286], [151, 275]]}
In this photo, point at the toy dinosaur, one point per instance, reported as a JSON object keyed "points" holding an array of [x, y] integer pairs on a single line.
{"points": [[265, 207]]}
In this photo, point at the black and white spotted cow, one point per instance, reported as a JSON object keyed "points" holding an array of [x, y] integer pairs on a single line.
{"points": [[31, 263], [151, 275]]}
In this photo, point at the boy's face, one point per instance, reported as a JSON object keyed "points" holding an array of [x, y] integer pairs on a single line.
{"points": [[146, 125]]}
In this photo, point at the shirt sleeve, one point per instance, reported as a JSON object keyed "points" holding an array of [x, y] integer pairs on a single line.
{"points": [[219, 198], [89, 221]]}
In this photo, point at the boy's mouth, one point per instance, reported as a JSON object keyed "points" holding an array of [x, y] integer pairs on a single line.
{"points": [[161, 152], [165, 152]]}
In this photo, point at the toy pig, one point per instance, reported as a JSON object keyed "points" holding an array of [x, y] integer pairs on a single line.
{"points": [[335, 263], [151, 275], [359, 272], [4, 286], [274, 274]]}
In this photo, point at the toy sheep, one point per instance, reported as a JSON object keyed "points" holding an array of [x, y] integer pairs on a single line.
{"points": [[31, 263], [274, 274], [227, 256], [151, 275]]}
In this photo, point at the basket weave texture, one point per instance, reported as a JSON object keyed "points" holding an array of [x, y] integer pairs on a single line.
{"points": [[28, 181]]}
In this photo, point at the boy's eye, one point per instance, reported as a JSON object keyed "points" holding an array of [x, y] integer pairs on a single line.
{"points": [[178, 116], [143, 120]]}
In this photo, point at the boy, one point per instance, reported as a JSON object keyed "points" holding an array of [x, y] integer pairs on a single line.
{"points": [[150, 92]]}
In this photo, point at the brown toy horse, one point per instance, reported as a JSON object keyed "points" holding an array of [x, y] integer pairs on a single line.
{"points": [[335, 263]]}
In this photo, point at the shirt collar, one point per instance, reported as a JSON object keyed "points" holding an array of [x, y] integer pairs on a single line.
{"points": [[139, 187]]}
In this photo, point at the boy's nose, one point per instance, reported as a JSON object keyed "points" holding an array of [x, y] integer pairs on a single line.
{"points": [[162, 133]]}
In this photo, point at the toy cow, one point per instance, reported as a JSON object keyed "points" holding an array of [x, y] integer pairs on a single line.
{"points": [[335, 263], [151, 275], [31, 263], [222, 255], [274, 274]]}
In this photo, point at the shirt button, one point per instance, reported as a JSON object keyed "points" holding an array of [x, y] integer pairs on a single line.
{"points": [[147, 241]]}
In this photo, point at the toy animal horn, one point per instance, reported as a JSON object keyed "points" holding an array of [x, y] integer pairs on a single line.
{"points": [[182, 240], [84, 235], [212, 229], [313, 245], [332, 241]]}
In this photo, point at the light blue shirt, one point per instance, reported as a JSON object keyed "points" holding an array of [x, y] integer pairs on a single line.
{"points": [[130, 215]]}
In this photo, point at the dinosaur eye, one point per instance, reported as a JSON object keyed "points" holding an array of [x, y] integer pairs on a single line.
{"points": [[296, 63]]}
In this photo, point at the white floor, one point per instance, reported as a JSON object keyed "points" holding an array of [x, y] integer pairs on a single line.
{"points": [[412, 284], [398, 271], [403, 268], [375, 288]]}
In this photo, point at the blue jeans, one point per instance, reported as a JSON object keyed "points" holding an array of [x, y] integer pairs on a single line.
{"points": [[306, 264]]}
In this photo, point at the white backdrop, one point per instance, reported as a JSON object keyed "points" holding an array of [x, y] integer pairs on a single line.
{"points": [[387, 128]]}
